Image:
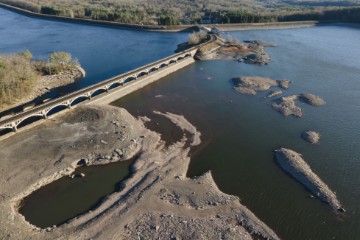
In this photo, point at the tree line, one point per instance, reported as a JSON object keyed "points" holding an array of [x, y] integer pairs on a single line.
{"points": [[190, 12]]}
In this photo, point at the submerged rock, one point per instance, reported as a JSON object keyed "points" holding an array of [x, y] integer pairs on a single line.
{"points": [[311, 136], [274, 94], [245, 90], [286, 106], [311, 99], [292, 162], [261, 43]]}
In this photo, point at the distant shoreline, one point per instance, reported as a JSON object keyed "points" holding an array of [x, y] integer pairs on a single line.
{"points": [[265, 26], [174, 28]]}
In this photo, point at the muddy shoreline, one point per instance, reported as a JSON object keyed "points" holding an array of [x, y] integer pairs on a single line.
{"points": [[157, 201]]}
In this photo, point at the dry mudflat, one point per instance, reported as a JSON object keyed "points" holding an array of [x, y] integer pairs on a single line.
{"points": [[157, 201]]}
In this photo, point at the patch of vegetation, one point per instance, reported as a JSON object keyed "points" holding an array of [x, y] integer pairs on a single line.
{"points": [[197, 37], [17, 77], [19, 73], [168, 20]]}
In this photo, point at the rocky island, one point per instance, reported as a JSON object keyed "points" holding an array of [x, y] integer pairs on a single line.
{"points": [[292, 162], [311, 136], [287, 106], [251, 84], [252, 52]]}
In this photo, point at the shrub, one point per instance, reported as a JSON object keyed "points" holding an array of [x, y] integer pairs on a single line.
{"points": [[17, 78], [197, 37], [26, 54], [60, 61], [60, 57]]}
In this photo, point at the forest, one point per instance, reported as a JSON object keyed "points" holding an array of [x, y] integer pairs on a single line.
{"points": [[172, 12]]}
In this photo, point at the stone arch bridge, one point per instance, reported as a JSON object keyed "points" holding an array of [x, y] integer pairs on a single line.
{"points": [[68, 101]]}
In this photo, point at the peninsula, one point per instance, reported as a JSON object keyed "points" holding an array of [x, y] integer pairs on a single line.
{"points": [[22, 79]]}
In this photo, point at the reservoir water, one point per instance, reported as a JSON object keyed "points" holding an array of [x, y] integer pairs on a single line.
{"points": [[54, 204], [240, 132], [102, 51]]}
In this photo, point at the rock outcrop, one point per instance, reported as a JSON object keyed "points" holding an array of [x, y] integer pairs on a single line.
{"points": [[311, 136], [251, 84], [286, 106], [274, 93], [284, 84], [292, 162], [311, 99], [252, 52]]}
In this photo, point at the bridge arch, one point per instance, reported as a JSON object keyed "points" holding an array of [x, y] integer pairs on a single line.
{"points": [[98, 92], [129, 79], [142, 73], [153, 69], [78, 100], [163, 65], [172, 61], [180, 58], [6, 130], [187, 55], [29, 119], [115, 85], [56, 109]]}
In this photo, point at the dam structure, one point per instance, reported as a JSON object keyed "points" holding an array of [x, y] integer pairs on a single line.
{"points": [[105, 91]]}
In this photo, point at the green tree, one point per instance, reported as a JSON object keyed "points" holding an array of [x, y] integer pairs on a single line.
{"points": [[168, 20]]}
